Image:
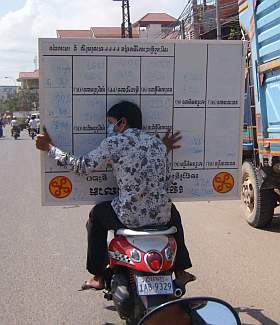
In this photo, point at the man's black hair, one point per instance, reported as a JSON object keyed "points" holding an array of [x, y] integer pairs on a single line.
{"points": [[128, 110]]}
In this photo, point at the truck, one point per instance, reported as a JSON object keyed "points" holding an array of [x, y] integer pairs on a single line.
{"points": [[260, 192]]}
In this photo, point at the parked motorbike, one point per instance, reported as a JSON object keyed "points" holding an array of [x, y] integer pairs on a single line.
{"points": [[193, 311], [15, 132], [139, 276]]}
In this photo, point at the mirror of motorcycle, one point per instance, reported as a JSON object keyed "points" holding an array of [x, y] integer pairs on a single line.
{"points": [[193, 311]]}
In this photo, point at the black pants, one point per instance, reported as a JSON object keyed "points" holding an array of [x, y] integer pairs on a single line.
{"points": [[103, 218]]}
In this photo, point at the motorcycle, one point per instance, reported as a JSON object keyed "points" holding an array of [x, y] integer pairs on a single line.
{"points": [[139, 275], [33, 133], [193, 311], [15, 132]]}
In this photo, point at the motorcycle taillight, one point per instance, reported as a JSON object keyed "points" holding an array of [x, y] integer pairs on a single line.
{"points": [[154, 261]]}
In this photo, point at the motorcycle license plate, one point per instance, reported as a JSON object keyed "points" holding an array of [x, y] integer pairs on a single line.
{"points": [[154, 285]]}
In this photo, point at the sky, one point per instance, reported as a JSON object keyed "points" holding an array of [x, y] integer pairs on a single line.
{"points": [[22, 22]]}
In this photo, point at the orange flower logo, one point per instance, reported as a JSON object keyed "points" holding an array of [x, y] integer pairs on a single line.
{"points": [[60, 187], [223, 182]]}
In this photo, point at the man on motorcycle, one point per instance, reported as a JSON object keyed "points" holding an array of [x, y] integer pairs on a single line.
{"points": [[140, 165], [33, 125], [14, 121], [14, 125]]}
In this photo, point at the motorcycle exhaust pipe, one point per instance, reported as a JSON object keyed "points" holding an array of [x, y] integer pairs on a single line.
{"points": [[180, 289], [178, 292]]}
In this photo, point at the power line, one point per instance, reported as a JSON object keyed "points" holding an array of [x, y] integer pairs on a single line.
{"points": [[226, 6], [188, 16]]}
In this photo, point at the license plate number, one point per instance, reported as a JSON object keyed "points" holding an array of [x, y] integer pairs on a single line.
{"points": [[154, 285]]}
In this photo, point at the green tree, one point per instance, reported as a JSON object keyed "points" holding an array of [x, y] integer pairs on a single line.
{"points": [[25, 100], [10, 104]]}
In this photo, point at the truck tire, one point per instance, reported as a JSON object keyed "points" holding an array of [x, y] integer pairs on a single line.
{"points": [[258, 204]]}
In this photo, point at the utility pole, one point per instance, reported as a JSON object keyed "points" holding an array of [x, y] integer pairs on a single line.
{"points": [[126, 24], [218, 23], [195, 19], [126, 27], [183, 30], [204, 5]]}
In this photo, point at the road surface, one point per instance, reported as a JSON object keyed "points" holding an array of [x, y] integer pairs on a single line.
{"points": [[43, 252]]}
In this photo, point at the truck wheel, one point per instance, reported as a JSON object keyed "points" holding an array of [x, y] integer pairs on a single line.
{"points": [[258, 204]]}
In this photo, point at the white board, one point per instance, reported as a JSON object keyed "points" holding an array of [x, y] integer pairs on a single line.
{"points": [[195, 87]]}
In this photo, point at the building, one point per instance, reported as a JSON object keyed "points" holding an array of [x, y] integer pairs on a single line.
{"points": [[28, 91], [155, 25], [228, 9], [29, 80], [95, 32], [200, 22], [111, 32], [73, 33], [152, 25]]}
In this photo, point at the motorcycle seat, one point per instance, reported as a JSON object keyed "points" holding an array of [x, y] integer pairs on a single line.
{"points": [[146, 232]]}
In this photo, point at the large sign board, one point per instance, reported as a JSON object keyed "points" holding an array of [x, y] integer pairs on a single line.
{"points": [[195, 87]]}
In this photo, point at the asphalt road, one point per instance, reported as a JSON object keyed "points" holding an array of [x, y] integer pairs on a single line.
{"points": [[43, 249]]}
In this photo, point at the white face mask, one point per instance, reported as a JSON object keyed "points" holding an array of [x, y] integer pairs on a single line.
{"points": [[110, 129]]}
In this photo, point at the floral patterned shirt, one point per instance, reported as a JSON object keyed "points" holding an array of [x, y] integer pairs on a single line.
{"points": [[140, 165]]}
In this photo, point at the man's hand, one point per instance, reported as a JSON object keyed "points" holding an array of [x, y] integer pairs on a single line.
{"points": [[170, 140], [43, 141]]}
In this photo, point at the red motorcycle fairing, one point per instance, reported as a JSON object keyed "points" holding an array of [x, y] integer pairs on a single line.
{"points": [[122, 253]]}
